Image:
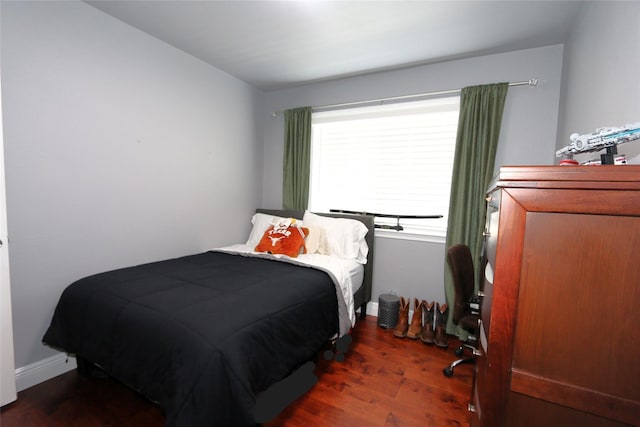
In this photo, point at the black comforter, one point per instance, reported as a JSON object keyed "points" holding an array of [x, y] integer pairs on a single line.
{"points": [[201, 335]]}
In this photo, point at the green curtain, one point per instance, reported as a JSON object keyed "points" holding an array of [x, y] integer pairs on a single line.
{"points": [[297, 158], [479, 123]]}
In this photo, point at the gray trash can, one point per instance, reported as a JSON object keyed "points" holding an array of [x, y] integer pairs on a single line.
{"points": [[388, 309]]}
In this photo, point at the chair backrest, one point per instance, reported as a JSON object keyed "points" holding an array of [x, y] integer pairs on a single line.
{"points": [[461, 263]]}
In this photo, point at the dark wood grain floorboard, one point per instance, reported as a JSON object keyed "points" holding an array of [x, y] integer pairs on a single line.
{"points": [[383, 381]]}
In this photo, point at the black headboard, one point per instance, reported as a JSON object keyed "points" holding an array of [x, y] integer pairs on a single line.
{"points": [[363, 295]]}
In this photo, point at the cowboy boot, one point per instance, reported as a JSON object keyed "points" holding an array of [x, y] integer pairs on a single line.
{"points": [[402, 326], [442, 312], [427, 334], [416, 321]]}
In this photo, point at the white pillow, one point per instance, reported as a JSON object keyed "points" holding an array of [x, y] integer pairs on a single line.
{"points": [[345, 237], [316, 241], [260, 223]]}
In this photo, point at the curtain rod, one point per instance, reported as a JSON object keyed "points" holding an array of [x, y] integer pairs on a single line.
{"points": [[530, 82]]}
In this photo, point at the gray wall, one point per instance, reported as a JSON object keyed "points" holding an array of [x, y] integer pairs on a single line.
{"points": [[601, 80], [416, 268], [119, 150]]}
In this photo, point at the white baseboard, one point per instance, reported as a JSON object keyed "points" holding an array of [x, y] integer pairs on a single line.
{"points": [[43, 370], [372, 309]]}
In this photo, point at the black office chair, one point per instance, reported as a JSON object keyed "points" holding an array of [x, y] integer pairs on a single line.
{"points": [[466, 311]]}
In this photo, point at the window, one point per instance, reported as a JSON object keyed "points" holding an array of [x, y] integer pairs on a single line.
{"points": [[390, 159]]}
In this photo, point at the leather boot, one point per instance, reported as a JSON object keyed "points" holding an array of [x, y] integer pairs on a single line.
{"points": [[416, 321], [442, 312], [427, 334], [402, 326]]}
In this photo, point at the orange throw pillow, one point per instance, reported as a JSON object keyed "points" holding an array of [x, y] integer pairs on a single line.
{"points": [[283, 240]]}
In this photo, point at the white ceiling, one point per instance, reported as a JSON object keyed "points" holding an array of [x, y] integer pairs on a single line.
{"points": [[279, 44]]}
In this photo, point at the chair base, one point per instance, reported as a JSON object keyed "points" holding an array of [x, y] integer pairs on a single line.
{"points": [[448, 371], [470, 345]]}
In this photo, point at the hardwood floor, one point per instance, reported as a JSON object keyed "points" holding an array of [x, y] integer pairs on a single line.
{"points": [[383, 381]]}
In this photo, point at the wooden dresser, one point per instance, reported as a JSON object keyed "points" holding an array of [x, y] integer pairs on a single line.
{"points": [[560, 335]]}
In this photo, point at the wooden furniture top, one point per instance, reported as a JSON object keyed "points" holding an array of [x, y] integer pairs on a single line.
{"points": [[621, 177]]}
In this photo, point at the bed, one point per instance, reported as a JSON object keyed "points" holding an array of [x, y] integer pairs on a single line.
{"points": [[206, 335]]}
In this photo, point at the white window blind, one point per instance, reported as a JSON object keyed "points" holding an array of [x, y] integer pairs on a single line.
{"points": [[392, 159]]}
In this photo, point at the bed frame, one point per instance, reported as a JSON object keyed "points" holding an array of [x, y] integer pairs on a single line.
{"points": [[363, 295]]}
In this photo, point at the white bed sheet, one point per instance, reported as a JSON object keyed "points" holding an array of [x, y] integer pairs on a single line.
{"points": [[356, 271], [347, 276]]}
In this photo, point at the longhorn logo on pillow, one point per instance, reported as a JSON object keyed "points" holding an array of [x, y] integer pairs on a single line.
{"points": [[279, 232], [284, 237]]}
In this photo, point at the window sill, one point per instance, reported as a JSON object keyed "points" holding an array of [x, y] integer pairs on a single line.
{"points": [[403, 235]]}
